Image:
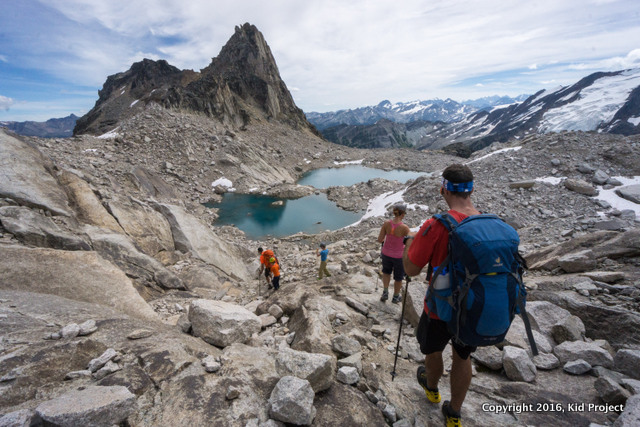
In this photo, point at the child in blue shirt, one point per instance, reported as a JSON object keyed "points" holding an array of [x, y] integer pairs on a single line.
{"points": [[323, 254]]}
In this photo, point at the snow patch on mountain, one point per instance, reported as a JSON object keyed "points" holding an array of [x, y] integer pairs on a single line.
{"points": [[597, 104]]}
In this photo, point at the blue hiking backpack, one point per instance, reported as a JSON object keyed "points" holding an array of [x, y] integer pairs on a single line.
{"points": [[484, 290]]}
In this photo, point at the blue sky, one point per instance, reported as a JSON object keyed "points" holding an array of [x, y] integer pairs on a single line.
{"points": [[332, 54]]}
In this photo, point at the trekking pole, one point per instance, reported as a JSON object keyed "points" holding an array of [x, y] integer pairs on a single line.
{"points": [[404, 302]]}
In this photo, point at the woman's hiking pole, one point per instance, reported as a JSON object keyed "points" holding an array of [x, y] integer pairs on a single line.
{"points": [[404, 302]]}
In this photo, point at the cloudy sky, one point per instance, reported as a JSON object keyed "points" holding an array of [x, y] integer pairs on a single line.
{"points": [[332, 54]]}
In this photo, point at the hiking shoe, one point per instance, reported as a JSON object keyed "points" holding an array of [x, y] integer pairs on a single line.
{"points": [[432, 394], [385, 296], [396, 299], [451, 417]]}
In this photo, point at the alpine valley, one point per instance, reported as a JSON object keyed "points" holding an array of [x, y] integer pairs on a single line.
{"points": [[123, 302]]}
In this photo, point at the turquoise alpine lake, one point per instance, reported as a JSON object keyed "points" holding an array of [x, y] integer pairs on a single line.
{"points": [[258, 216], [353, 174]]}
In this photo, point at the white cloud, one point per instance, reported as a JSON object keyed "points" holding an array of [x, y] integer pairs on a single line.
{"points": [[336, 54], [5, 103], [631, 60]]}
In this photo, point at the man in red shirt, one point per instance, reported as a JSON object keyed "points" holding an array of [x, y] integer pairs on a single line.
{"points": [[429, 246]]}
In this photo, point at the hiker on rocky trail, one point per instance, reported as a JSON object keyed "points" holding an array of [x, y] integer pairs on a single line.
{"points": [[429, 246], [265, 265], [274, 273], [323, 254], [391, 236]]}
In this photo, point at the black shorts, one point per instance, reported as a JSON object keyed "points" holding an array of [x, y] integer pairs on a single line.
{"points": [[433, 336], [393, 264]]}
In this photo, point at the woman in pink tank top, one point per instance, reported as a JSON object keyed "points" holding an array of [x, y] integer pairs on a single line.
{"points": [[391, 236]]}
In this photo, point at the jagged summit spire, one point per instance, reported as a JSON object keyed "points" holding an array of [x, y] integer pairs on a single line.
{"points": [[240, 85]]}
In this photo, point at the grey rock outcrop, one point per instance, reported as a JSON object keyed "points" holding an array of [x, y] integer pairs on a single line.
{"points": [[77, 275], [86, 203], [191, 235], [35, 229], [25, 177]]}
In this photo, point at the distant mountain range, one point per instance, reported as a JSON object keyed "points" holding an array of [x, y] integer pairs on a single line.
{"points": [[435, 110], [52, 128], [603, 102]]}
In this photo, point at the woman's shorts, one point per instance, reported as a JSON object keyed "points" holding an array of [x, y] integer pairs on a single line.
{"points": [[393, 264]]}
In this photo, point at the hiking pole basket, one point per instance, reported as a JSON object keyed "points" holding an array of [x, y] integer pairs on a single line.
{"points": [[404, 303]]}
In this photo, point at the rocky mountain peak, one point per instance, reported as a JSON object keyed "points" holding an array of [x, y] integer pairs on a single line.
{"points": [[241, 85]]}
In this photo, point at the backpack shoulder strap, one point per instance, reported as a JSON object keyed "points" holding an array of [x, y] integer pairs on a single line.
{"points": [[447, 220]]}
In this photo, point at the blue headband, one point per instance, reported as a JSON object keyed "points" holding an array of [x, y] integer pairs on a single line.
{"points": [[457, 187]]}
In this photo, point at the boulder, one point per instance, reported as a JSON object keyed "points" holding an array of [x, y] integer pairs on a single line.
{"points": [[344, 405], [545, 315], [91, 406], [348, 375], [630, 192], [517, 364], [590, 352], [546, 361], [345, 346], [570, 328], [316, 368], [605, 276], [354, 361], [357, 306], [600, 177], [312, 328], [517, 337], [221, 323], [580, 186], [603, 244], [292, 401], [25, 177], [576, 367], [491, 357], [102, 360], [578, 262]]}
